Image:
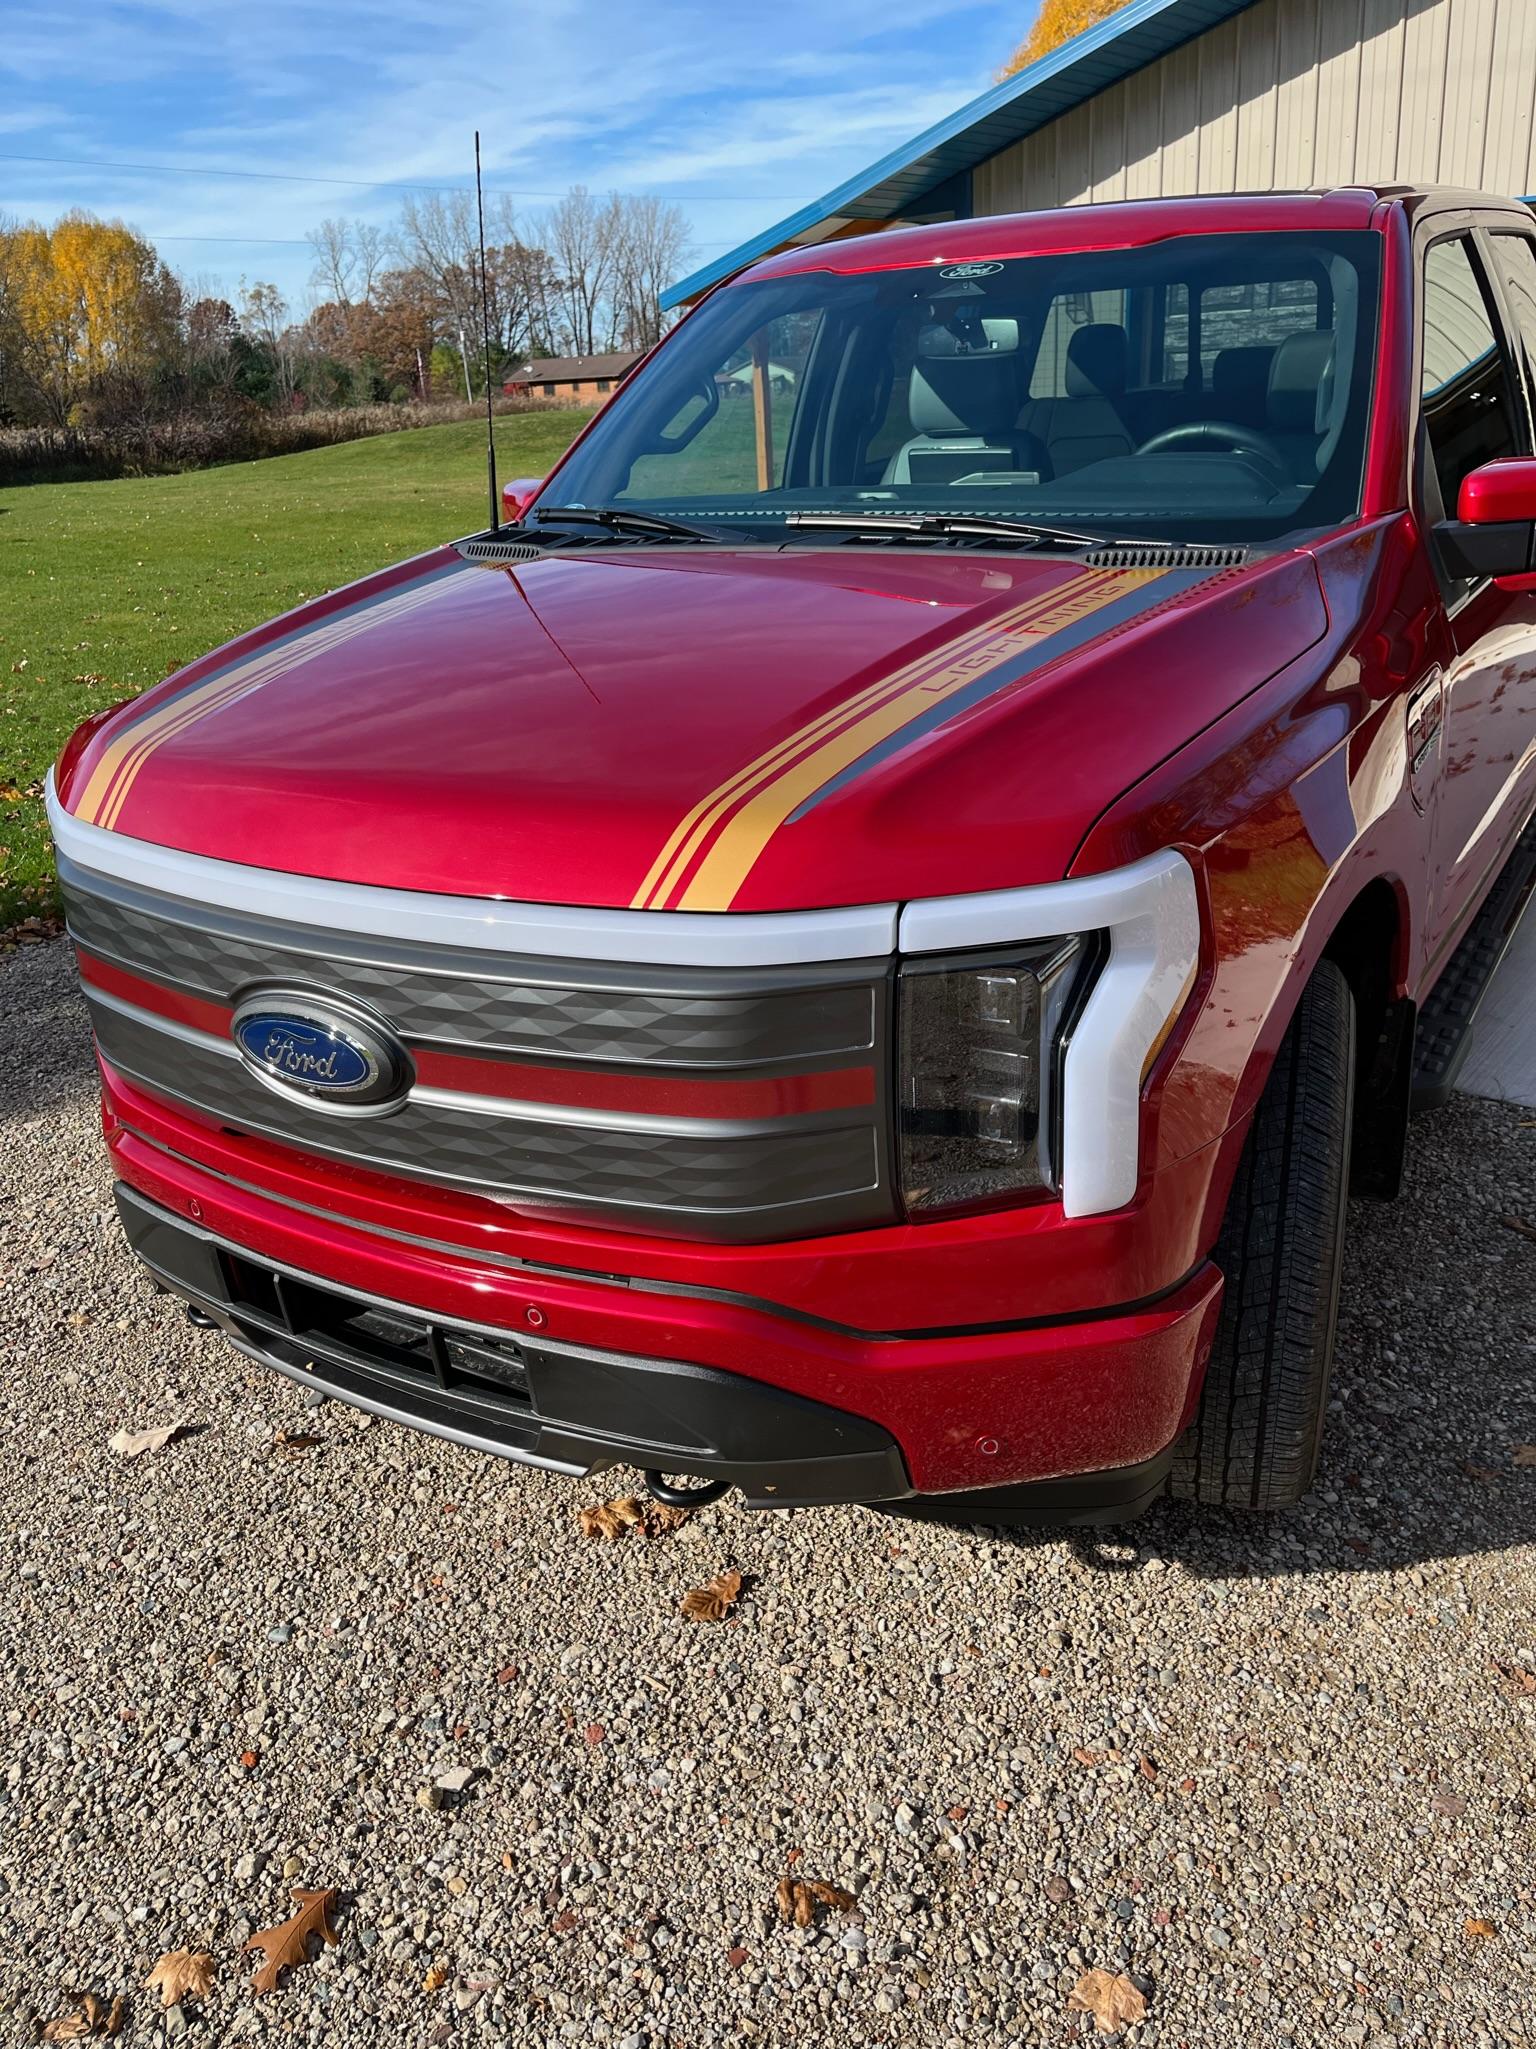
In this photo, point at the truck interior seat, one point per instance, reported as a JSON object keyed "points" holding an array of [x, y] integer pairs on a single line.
{"points": [[962, 402], [1300, 399], [1240, 385], [1089, 423]]}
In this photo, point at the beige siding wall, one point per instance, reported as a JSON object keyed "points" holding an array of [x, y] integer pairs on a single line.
{"points": [[1300, 92]]}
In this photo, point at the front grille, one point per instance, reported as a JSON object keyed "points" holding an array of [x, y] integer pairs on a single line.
{"points": [[678, 1018], [545, 1050]]}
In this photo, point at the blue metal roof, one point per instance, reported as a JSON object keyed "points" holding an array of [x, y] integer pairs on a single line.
{"points": [[1135, 36]]}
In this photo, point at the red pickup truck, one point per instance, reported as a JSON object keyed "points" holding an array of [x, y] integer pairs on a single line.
{"points": [[856, 948]]}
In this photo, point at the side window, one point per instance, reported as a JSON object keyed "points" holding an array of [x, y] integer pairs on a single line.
{"points": [[1466, 394], [732, 436], [1516, 257]]}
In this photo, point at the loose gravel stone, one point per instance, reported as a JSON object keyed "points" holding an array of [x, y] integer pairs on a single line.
{"points": [[220, 1665]]}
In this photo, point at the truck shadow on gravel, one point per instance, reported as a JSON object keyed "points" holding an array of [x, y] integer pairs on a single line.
{"points": [[1434, 1378], [1434, 1384]]}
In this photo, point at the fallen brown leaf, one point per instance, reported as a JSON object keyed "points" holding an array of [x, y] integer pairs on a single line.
{"points": [[181, 1974], [92, 2018], [287, 1945], [1519, 1224], [1481, 1931], [134, 1443], [1516, 1678], [1452, 1805], [295, 1442], [799, 1898], [1523, 1455], [1088, 1758], [435, 1979], [1113, 1999], [610, 1519], [713, 1601]]}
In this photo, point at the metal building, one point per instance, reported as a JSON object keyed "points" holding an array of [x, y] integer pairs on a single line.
{"points": [[1180, 96]]}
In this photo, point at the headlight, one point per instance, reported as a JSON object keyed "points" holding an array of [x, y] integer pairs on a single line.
{"points": [[978, 1116], [1022, 1068]]}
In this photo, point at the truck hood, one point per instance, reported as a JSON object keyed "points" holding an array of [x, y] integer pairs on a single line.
{"points": [[691, 728]]}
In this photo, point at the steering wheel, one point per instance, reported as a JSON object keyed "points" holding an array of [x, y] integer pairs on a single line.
{"points": [[1226, 434]]}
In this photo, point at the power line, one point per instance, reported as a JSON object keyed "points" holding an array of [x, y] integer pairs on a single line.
{"points": [[368, 185]]}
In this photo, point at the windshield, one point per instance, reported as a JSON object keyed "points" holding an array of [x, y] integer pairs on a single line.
{"points": [[1211, 387]]}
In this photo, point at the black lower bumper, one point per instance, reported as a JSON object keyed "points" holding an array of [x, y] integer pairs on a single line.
{"points": [[565, 1407]]}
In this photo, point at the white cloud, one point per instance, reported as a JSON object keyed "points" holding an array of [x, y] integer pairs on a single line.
{"points": [[741, 115]]}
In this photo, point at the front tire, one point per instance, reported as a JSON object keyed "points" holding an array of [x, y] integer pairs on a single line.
{"points": [[1256, 1435]]}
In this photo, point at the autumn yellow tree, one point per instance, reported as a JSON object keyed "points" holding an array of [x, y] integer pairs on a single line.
{"points": [[1057, 22], [83, 298]]}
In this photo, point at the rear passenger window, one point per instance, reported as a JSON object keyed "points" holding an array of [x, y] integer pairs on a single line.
{"points": [[1256, 315], [1467, 399]]}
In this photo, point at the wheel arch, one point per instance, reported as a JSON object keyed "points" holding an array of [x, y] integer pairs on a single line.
{"points": [[1369, 942]]}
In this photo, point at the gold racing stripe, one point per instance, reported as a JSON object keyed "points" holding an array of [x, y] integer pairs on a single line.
{"points": [[113, 777], [744, 835], [993, 636]]}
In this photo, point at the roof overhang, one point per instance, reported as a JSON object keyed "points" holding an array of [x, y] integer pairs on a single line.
{"points": [[910, 184]]}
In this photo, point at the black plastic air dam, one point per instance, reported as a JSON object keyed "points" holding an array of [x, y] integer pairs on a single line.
{"points": [[564, 1407]]}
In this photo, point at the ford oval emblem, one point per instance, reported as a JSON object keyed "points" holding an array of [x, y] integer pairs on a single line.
{"points": [[970, 270], [323, 1051]]}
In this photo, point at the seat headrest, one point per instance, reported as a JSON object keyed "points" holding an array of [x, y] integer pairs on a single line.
{"points": [[1301, 382], [1241, 376], [1096, 360], [958, 387]]}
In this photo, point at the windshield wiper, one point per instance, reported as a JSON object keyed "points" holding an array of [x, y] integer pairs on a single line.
{"points": [[619, 519], [942, 525]]}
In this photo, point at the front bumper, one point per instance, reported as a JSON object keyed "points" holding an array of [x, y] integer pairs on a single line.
{"points": [[565, 1407], [787, 1407]]}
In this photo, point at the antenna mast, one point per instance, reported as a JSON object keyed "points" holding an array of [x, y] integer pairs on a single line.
{"points": [[485, 329]]}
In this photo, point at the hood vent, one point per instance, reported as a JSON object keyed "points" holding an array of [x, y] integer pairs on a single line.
{"points": [[491, 548], [1170, 557]]}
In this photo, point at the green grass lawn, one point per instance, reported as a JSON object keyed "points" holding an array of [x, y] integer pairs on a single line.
{"points": [[105, 588]]}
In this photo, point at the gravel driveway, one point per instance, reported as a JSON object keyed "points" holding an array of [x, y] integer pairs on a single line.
{"points": [[1273, 1767]]}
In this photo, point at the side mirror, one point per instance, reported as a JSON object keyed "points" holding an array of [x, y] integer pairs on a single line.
{"points": [[1494, 531], [517, 496]]}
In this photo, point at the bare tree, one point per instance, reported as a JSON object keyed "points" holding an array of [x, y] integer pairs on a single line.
{"points": [[438, 236], [264, 317], [578, 233], [650, 244], [348, 255]]}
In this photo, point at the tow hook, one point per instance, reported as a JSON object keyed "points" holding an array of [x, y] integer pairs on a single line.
{"points": [[685, 1497]]}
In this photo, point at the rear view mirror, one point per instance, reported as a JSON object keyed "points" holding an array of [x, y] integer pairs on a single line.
{"points": [[1494, 531]]}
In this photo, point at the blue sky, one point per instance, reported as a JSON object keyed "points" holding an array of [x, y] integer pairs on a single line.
{"points": [[737, 113]]}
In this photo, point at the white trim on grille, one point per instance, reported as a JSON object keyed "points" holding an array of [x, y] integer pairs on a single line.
{"points": [[707, 939]]}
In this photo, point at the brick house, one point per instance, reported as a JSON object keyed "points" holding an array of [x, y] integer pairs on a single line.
{"points": [[571, 380]]}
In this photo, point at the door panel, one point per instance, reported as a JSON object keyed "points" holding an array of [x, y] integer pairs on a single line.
{"points": [[1472, 409]]}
